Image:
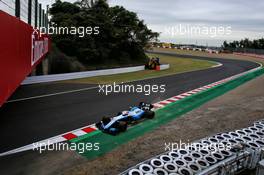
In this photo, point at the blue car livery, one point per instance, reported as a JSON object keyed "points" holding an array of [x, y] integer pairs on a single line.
{"points": [[120, 123]]}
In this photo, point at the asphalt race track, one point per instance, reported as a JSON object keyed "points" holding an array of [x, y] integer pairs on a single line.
{"points": [[28, 121]]}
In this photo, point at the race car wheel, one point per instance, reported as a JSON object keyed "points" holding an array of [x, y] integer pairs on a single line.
{"points": [[122, 126], [130, 119], [141, 104], [106, 120], [98, 125], [149, 114]]}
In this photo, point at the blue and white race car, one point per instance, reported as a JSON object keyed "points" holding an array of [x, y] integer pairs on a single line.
{"points": [[120, 123]]}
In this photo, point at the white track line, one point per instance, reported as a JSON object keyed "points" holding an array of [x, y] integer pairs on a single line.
{"points": [[49, 95]]}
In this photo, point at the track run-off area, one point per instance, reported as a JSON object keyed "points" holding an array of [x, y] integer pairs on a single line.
{"points": [[36, 119]]}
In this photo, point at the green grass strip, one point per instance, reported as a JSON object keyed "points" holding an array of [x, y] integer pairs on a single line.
{"points": [[163, 116]]}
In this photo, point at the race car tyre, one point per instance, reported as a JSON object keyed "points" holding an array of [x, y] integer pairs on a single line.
{"points": [[106, 120], [204, 152], [194, 167], [241, 133], [146, 168], [122, 126], [98, 125], [210, 159], [185, 171], [160, 171], [171, 167], [166, 158], [156, 163], [226, 153], [149, 114], [202, 163], [260, 142], [130, 119], [135, 171], [183, 152], [260, 134], [174, 155], [140, 104], [180, 163], [218, 156], [196, 155], [188, 159]]}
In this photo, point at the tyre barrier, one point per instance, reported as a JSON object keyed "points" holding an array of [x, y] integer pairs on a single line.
{"points": [[218, 156], [188, 159], [183, 152], [195, 168], [239, 140], [219, 137], [180, 163], [248, 131], [166, 158], [170, 167], [160, 171], [253, 128], [244, 152], [234, 135], [260, 143], [226, 153], [204, 152], [190, 148], [210, 159], [232, 142], [135, 172], [226, 136], [240, 132], [146, 168], [156, 163], [202, 163], [260, 134], [174, 155], [196, 155], [185, 171]]}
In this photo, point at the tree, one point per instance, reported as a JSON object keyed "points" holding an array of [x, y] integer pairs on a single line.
{"points": [[122, 37], [225, 45], [245, 43], [86, 3]]}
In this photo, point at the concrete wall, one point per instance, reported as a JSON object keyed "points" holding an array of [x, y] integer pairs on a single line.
{"points": [[86, 74]]}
